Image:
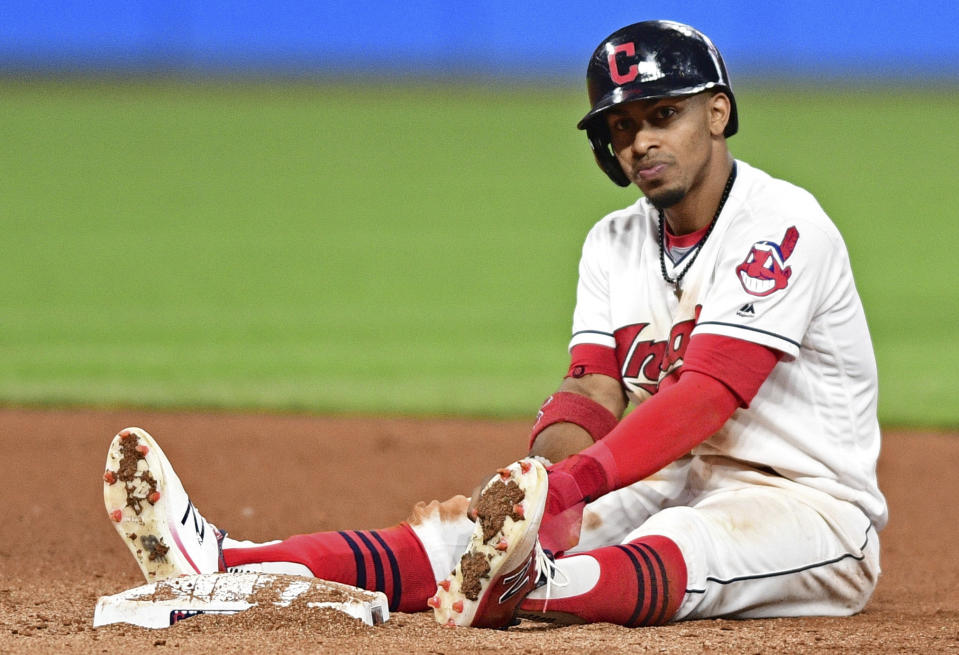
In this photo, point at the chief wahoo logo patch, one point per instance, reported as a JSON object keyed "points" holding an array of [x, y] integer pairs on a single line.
{"points": [[764, 270]]}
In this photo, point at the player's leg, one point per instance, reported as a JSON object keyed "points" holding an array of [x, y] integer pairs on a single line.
{"points": [[639, 583], [168, 536], [761, 547], [504, 561], [773, 549], [617, 581], [404, 561]]}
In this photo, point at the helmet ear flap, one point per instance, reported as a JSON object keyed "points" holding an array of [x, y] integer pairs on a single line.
{"points": [[599, 141]]}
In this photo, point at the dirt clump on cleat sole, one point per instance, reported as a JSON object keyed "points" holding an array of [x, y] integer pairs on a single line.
{"points": [[498, 501], [473, 567], [139, 486]]}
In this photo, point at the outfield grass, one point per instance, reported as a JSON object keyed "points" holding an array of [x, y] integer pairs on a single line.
{"points": [[400, 248]]}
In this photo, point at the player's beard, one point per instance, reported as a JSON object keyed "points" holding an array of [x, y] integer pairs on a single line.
{"points": [[662, 196], [666, 198]]}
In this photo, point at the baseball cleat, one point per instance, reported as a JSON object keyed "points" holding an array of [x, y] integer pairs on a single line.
{"points": [[504, 560], [152, 513]]}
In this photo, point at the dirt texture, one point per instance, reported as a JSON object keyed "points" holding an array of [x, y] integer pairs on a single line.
{"points": [[263, 476]]}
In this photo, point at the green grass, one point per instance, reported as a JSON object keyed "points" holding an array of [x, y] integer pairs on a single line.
{"points": [[399, 248]]}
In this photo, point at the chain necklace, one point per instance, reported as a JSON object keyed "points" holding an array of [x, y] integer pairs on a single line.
{"points": [[699, 246]]}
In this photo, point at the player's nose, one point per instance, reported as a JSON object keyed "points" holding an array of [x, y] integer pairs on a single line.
{"points": [[643, 140]]}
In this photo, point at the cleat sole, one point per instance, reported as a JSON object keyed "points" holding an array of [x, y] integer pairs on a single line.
{"points": [[141, 519], [520, 492]]}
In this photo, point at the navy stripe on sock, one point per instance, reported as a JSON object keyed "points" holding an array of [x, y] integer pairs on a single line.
{"points": [[660, 617], [377, 562], [358, 558], [394, 570], [640, 590], [653, 585]]}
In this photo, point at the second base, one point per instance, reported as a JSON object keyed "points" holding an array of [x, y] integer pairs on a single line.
{"points": [[161, 604]]}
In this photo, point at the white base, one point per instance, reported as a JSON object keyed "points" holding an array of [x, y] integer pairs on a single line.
{"points": [[161, 604]]}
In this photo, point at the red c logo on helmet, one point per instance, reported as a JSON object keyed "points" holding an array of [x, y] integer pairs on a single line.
{"points": [[628, 49]]}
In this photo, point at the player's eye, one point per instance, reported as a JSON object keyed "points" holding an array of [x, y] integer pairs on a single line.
{"points": [[664, 112], [621, 124]]}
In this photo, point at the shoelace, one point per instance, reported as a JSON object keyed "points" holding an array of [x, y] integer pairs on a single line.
{"points": [[546, 567]]}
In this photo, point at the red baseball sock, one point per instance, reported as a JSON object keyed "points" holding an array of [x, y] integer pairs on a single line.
{"points": [[639, 583], [392, 561]]}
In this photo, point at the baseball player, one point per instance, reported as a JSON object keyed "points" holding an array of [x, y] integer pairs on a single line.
{"points": [[743, 484]]}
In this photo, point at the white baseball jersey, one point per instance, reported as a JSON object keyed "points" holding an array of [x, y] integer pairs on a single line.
{"points": [[774, 271]]}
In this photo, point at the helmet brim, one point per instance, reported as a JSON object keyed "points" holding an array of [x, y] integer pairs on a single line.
{"points": [[621, 96]]}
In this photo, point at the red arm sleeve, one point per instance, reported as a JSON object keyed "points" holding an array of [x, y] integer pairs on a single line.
{"points": [[724, 373], [663, 429]]}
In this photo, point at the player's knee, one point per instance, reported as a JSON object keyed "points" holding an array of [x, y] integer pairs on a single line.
{"points": [[853, 585]]}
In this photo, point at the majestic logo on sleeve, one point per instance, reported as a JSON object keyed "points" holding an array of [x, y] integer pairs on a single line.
{"points": [[764, 270]]}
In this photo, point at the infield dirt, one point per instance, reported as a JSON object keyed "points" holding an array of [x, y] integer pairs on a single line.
{"points": [[265, 476]]}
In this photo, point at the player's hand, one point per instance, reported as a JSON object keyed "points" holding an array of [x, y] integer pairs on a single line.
{"points": [[563, 517]]}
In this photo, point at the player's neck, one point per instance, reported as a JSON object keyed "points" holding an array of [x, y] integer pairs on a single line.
{"points": [[697, 209]]}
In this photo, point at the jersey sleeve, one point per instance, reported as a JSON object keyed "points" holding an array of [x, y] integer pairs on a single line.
{"points": [[592, 320], [771, 281]]}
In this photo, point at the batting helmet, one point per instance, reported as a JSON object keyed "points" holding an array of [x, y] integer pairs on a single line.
{"points": [[652, 59]]}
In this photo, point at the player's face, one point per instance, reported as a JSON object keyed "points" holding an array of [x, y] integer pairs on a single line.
{"points": [[664, 145]]}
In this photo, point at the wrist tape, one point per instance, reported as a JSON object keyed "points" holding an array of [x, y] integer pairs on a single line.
{"points": [[569, 407]]}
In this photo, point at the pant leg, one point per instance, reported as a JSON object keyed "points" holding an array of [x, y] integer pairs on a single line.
{"points": [[757, 545]]}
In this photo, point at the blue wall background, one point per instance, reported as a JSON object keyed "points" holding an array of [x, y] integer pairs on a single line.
{"points": [[531, 39]]}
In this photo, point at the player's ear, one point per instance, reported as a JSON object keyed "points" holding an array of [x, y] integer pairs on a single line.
{"points": [[719, 107]]}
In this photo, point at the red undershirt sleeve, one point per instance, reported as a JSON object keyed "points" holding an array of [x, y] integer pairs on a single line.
{"points": [[741, 365], [589, 358]]}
